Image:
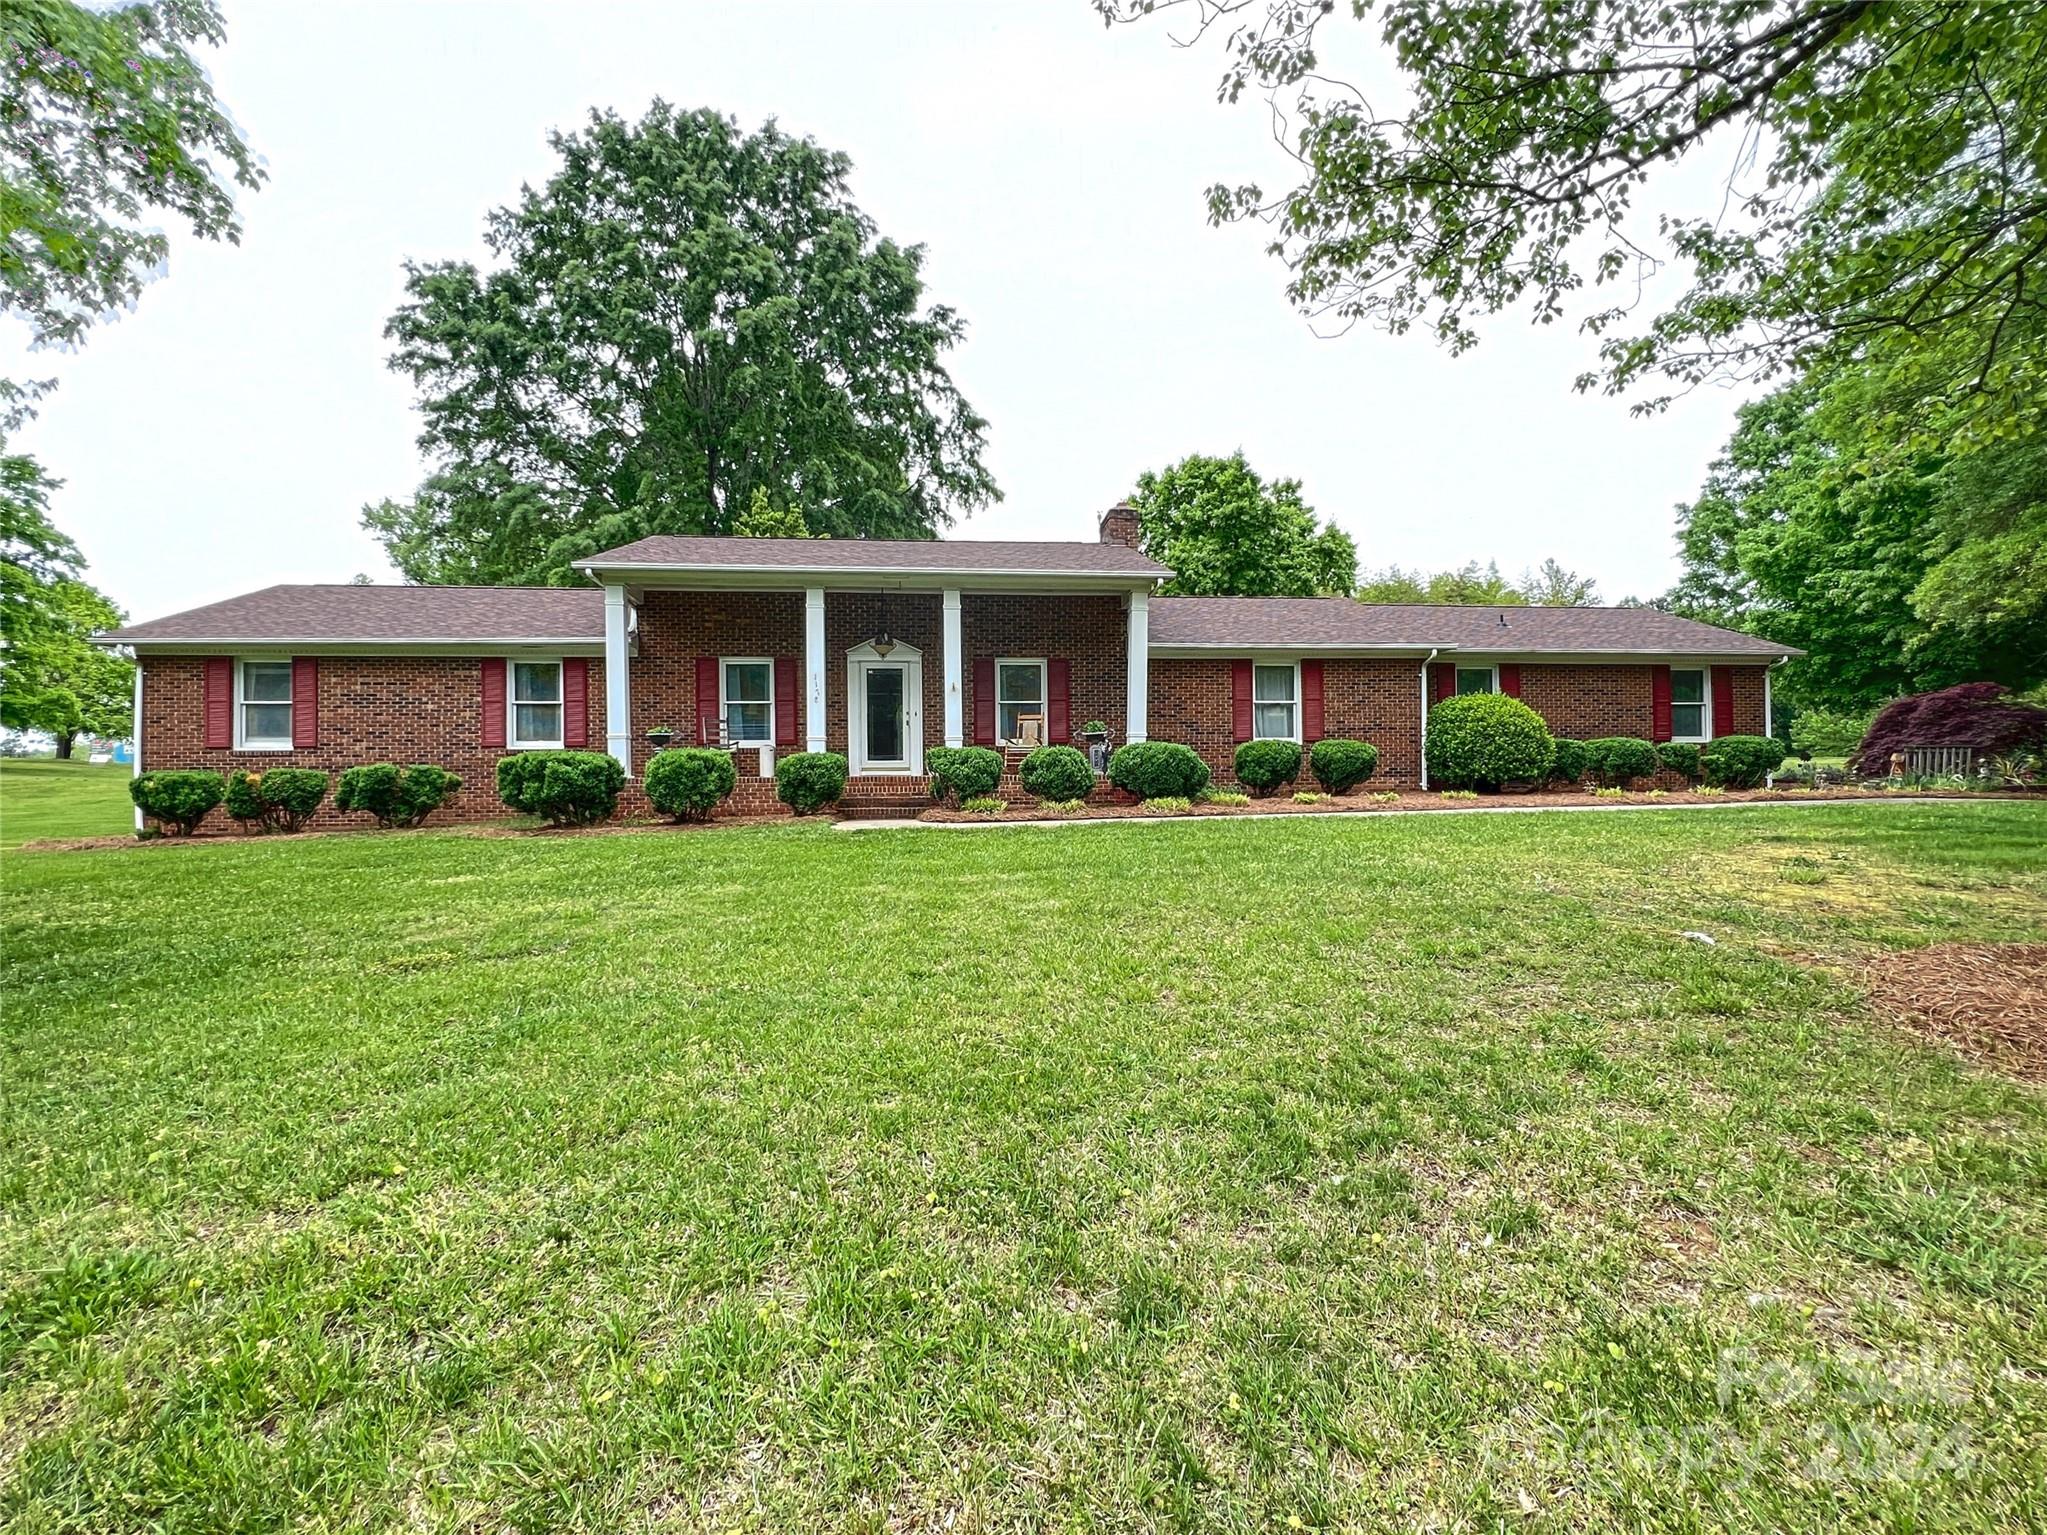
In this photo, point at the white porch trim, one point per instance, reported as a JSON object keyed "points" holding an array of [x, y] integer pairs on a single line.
{"points": [[618, 721], [859, 661], [813, 667], [1138, 687], [955, 697]]}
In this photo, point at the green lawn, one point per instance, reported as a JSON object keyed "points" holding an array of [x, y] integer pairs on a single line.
{"points": [[42, 797], [1408, 1173]]}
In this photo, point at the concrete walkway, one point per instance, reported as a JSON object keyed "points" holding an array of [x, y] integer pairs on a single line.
{"points": [[1380, 815]]}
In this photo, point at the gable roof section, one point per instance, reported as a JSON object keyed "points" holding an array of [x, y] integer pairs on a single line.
{"points": [[829, 556], [384, 615], [1337, 623]]}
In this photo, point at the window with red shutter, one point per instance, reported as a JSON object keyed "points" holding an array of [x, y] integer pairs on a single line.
{"points": [[576, 701], [984, 700], [1058, 701], [1443, 681], [218, 704], [1659, 703], [1723, 701], [491, 686], [305, 703], [1240, 701], [785, 703], [1311, 702], [710, 727], [1510, 679]]}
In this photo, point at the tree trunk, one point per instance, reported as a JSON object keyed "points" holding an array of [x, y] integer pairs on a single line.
{"points": [[64, 739]]}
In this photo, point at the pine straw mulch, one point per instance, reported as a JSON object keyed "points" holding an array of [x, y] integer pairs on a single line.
{"points": [[1987, 1000]]}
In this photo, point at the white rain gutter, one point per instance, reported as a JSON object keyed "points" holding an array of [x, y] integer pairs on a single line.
{"points": [[1425, 716]]}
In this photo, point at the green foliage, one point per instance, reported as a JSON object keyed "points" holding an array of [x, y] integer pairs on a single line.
{"points": [[1570, 762], [1158, 770], [177, 801], [1484, 740], [763, 519], [1057, 773], [682, 315], [1679, 757], [1740, 762], [1620, 760], [1818, 731], [1227, 533], [55, 678], [963, 771], [983, 804], [1309, 797], [1262, 766], [688, 782], [568, 788], [1168, 804], [282, 799], [1224, 797], [395, 796], [1552, 586], [1063, 806], [808, 781], [1340, 765]]}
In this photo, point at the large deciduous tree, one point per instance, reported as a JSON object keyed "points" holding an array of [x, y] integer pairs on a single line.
{"points": [[1885, 197], [684, 314], [1228, 533]]}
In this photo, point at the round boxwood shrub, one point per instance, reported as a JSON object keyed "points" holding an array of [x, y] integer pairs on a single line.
{"points": [[177, 801], [1679, 757], [569, 788], [396, 796], [1484, 740], [1158, 770], [1340, 766], [1617, 761], [282, 799], [688, 783], [1740, 762], [968, 772], [1570, 764], [808, 781], [1263, 766], [1057, 773]]}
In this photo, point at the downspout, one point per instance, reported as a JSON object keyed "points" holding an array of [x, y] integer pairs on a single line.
{"points": [[1770, 715], [1425, 716], [135, 750]]}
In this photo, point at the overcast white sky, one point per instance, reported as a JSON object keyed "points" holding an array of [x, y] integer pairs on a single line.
{"points": [[226, 434]]}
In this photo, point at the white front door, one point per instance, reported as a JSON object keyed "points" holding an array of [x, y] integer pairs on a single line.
{"points": [[885, 710]]}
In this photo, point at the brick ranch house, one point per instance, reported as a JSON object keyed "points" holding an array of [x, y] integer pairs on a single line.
{"points": [[882, 650]]}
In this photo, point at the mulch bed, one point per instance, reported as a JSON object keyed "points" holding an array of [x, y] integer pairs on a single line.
{"points": [[1987, 1000]]}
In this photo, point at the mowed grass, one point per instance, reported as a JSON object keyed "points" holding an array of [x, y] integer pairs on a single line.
{"points": [[42, 797], [1404, 1173]]}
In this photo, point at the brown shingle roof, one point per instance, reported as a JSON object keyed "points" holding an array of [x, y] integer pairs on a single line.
{"points": [[380, 614], [931, 556], [1338, 622]]}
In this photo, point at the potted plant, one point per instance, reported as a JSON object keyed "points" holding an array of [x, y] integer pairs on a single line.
{"points": [[1094, 730], [1096, 734], [660, 736]]}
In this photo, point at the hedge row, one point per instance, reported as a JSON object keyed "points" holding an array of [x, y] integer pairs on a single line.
{"points": [[285, 799], [1731, 762]]}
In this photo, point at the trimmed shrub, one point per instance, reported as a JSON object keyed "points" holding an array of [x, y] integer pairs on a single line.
{"points": [[177, 801], [569, 788], [808, 781], [1263, 766], [1340, 766], [965, 771], [1569, 766], [1982, 715], [1679, 757], [396, 796], [1158, 770], [1484, 740], [688, 782], [1741, 762], [1617, 761], [282, 799], [1822, 732], [1057, 772]]}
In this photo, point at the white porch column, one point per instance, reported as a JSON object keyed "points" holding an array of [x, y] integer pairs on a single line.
{"points": [[1138, 688], [618, 692], [813, 665], [955, 698], [135, 747]]}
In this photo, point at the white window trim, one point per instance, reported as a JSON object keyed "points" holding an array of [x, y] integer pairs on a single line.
{"points": [[725, 701], [561, 689], [1705, 706], [265, 743], [1459, 666], [1044, 697], [1295, 703]]}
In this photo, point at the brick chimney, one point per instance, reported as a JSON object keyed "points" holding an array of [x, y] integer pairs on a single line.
{"points": [[1119, 525]]}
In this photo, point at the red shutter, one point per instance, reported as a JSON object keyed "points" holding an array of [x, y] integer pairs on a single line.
{"points": [[305, 703], [1444, 677], [1510, 679], [1311, 702], [785, 702], [707, 701], [1059, 701], [492, 725], [576, 701], [219, 706], [1723, 701], [984, 700], [1659, 703], [1240, 700]]}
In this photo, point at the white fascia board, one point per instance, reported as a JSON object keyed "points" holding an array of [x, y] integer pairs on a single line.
{"points": [[578, 645], [1191, 652], [865, 578]]}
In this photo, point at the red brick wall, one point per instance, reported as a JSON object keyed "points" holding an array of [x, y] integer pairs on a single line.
{"points": [[1362, 700], [1093, 633], [1584, 701]]}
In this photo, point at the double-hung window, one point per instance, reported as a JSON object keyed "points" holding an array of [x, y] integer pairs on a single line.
{"points": [[1019, 695], [747, 697], [1478, 679], [536, 704], [1688, 707], [266, 706], [1275, 702]]}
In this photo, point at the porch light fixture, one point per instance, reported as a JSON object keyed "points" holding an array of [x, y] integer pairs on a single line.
{"points": [[881, 644]]}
